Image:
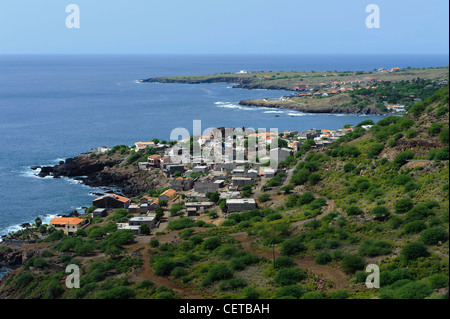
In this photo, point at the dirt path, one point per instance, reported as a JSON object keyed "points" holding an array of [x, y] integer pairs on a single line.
{"points": [[148, 273], [331, 205]]}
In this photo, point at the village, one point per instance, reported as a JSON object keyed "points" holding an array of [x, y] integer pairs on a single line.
{"points": [[200, 188]]}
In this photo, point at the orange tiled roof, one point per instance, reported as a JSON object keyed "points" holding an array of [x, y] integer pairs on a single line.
{"points": [[66, 221], [120, 198], [170, 192]]}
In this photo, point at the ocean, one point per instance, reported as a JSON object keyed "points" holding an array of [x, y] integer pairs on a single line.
{"points": [[56, 106]]}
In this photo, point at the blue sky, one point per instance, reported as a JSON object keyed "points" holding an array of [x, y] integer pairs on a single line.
{"points": [[231, 27]]}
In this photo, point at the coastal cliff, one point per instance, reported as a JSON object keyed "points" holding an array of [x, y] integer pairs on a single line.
{"points": [[323, 109], [103, 171]]}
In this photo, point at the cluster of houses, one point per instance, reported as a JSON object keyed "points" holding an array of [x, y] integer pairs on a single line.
{"points": [[195, 180]]}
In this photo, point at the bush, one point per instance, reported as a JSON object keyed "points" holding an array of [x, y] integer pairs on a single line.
{"points": [[233, 284], [219, 272], [438, 281], [284, 261], [293, 291], [413, 290], [178, 272], [349, 167], [352, 263], [323, 258], [338, 294], [443, 136], [414, 250], [414, 227], [381, 213], [432, 236], [402, 158], [289, 276], [375, 150], [435, 128], [164, 267], [374, 248], [119, 292], [411, 134], [211, 243], [264, 198], [154, 243], [353, 210], [181, 224], [292, 246], [403, 205]]}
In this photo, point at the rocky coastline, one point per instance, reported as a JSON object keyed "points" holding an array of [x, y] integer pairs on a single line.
{"points": [[330, 109], [99, 172]]}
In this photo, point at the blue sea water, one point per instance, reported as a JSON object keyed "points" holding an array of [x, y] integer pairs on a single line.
{"points": [[56, 106]]}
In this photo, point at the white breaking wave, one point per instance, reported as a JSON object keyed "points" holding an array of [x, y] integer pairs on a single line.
{"points": [[296, 114], [230, 105], [273, 112]]}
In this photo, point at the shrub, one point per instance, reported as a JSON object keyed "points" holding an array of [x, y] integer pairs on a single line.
{"points": [[403, 205], [411, 134], [414, 250], [154, 243], [293, 291], [349, 167], [164, 267], [402, 158], [338, 294], [323, 258], [432, 236], [381, 213], [211, 243], [375, 150], [418, 212], [435, 128], [181, 224], [284, 261], [250, 293], [178, 272], [353, 210], [352, 263], [443, 136], [292, 246], [414, 227], [233, 284], [219, 272], [374, 248], [438, 281], [289, 276], [388, 277], [264, 198], [413, 290]]}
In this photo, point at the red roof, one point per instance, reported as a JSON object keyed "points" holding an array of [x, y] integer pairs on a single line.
{"points": [[119, 198], [66, 221]]}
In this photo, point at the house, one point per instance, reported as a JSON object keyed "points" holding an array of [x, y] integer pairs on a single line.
{"points": [[171, 169], [68, 225], [111, 201], [280, 154], [198, 206], [182, 184], [138, 221], [200, 168], [241, 181], [167, 195], [240, 204], [126, 226], [99, 212], [207, 186], [154, 160], [133, 209], [148, 204], [140, 146]]}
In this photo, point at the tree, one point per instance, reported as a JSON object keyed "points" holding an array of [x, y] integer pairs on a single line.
{"points": [[213, 197], [38, 222], [164, 267], [314, 178], [154, 243], [144, 229]]}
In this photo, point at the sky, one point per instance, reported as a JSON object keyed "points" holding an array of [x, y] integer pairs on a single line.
{"points": [[224, 27]]}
